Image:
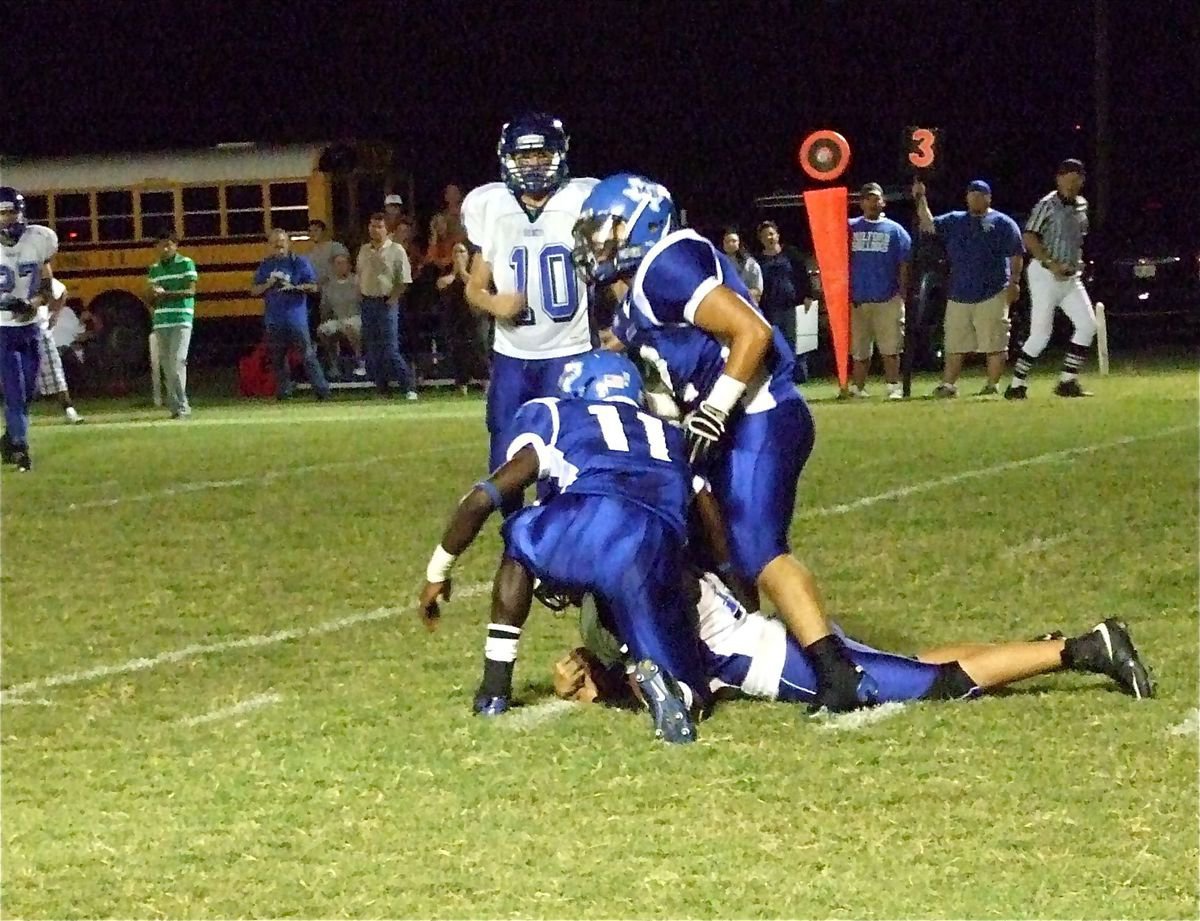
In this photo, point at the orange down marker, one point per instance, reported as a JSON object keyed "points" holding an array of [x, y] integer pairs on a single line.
{"points": [[825, 155]]}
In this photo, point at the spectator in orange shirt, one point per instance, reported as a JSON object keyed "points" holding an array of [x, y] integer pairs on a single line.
{"points": [[446, 229]]}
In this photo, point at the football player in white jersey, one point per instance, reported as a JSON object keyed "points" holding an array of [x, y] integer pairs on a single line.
{"points": [[23, 249], [754, 656], [521, 228]]}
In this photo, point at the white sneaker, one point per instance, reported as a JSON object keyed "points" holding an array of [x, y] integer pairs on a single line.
{"points": [[858, 392], [73, 417], [360, 370], [411, 395], [895, 392]]}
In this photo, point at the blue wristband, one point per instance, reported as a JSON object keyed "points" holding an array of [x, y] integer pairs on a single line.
{"points": [[492, 492]]}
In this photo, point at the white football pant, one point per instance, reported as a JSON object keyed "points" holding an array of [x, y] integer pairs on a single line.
{"points": [[1047, 292]]}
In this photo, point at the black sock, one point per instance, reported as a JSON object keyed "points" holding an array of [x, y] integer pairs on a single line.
{"points": [[829, 658], [499, 657], [1076, 652]]}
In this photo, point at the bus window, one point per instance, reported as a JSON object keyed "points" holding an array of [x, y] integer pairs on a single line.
{"points": [[37, 208], [115, 212], [201, 212], [158, 213], [73, 217], [289, 205], [244, 210]]}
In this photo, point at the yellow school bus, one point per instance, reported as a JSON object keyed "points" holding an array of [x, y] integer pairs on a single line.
{"points": [[108, 209]]}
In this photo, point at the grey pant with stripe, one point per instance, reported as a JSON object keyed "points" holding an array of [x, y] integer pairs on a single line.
{"points": [[173, 342]]}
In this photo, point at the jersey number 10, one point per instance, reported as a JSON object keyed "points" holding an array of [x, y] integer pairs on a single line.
{"points": [[616, 439], [557, 283]]}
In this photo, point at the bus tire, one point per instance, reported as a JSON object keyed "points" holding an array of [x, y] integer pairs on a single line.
{"points": [[124, 328]]}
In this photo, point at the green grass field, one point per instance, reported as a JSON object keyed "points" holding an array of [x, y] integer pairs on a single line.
{"points": [[218, 700]]}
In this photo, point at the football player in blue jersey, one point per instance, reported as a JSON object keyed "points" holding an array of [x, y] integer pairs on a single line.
{"points": [[24, 248], [688, 313], [753, 655], [613, 524], [521, 229]]}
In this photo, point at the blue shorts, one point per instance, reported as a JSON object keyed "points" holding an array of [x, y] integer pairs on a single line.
{"points": [[514, 382], [630, 559], [899, 678], [754, 481]]}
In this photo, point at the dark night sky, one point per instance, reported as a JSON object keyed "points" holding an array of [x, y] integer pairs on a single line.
{"points": [[710, 98]]}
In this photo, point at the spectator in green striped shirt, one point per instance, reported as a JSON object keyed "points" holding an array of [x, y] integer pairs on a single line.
{"points": [[172, 283]]}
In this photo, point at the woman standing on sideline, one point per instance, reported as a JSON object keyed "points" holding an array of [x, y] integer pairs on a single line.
{"points": [[459, 324]]}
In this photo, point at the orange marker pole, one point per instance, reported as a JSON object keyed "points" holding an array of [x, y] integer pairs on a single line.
{"points": [[828, 216]]}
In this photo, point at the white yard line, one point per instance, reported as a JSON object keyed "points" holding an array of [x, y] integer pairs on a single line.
{"points": [[481, 588], [1189, 727], [261, 479], [525, 718], [1050, 457], [245, 706], [857, 719], [15, 693]]}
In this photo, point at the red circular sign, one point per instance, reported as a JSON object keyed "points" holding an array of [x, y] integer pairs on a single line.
{"points": [[824, 155]]}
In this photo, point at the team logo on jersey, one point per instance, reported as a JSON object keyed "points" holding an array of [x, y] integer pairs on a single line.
{"points": [[640, 190], [605, 384]]}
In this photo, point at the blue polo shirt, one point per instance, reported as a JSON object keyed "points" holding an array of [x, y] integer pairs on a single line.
{"points": [[978, 249], [286, 308], [877, 250]]}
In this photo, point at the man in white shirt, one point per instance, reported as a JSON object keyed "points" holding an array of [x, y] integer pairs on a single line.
{"points": [[52, 380], [384, 273], [340, 317]]}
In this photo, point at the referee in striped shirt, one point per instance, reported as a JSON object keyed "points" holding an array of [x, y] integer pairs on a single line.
{"points": [[1054, 237]]}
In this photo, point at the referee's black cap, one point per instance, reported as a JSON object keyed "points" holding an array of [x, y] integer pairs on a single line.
{"points": [[1070, 165]]}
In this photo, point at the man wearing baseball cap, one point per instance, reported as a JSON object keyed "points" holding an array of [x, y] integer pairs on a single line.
{"points": [[880, 250], [1054, 236], [986, 255]]}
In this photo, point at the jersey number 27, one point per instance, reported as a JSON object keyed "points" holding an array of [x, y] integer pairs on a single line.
{"points": [[557, 283]]}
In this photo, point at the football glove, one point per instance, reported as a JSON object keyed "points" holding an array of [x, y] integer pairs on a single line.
{"points": [[21, 307], [703, 428]]}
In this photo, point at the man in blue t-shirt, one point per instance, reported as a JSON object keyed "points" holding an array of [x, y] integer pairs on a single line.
{"points": [[284, 281], [986, 256], [880, 251]]}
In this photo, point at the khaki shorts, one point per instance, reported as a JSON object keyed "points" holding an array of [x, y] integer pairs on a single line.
{"points": [[981, 327], [877, 324]]}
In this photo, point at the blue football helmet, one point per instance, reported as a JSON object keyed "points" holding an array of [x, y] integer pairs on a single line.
{"points": [[12, 215], [622, 218], [529, 134], [601, 375]]}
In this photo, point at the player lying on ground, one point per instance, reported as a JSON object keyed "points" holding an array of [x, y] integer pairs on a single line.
{"points": [[749, 430], [754, 655], [614, 525]]}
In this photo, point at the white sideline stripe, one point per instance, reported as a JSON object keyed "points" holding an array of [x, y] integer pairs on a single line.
{"points": [[270, 639], [197, 650], [261, 479], [857, 719], [1190, 726], [525, 718], [31, 702], [245, 706], [975, 473]]}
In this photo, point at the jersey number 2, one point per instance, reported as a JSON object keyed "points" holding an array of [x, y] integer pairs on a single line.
{"points": [[559, 287], [616, 439], [8, 281]]}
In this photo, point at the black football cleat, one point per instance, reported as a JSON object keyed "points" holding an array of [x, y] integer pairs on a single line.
{"points": [[1070, 389], [1016, 392], [672, 721], [1108, 650], [490, 706], [22, 460]]}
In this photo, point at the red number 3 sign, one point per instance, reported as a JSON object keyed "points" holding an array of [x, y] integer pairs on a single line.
{"points": [[922, 149]]}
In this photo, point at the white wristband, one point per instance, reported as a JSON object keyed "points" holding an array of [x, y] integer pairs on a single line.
{"points": [[440, 565], [725, 393]]}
